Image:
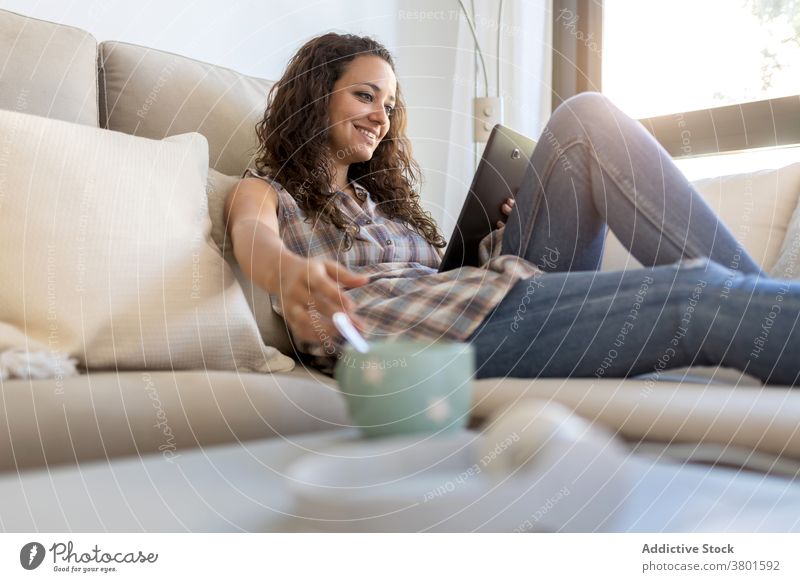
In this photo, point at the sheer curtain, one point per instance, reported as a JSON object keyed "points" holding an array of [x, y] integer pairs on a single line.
{"points": [[437, 68]]}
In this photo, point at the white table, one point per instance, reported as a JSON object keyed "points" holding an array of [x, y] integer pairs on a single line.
{"points": [[240, 487]]}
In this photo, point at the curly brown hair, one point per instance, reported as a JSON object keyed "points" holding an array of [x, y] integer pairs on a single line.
{"points": [[293, 138]]}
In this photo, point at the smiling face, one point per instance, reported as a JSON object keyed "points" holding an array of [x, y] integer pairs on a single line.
{"points": [[359, 109]]}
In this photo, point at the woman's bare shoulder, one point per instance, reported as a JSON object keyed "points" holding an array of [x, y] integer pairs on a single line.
{"points": [[251, 196], [250, 185]]}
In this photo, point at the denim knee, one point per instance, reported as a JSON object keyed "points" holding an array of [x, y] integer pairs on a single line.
{"points": [[582, 114], [707, 269], [717, 281], [588, 101]]}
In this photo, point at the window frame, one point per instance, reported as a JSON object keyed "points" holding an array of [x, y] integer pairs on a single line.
{"points": [[728, 128], [577, 65]]}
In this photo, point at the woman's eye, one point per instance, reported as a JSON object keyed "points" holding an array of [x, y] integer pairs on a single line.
{"points": [[369, 99]]}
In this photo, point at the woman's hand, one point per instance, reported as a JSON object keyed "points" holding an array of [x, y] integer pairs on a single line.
{"points": [[506, 209], [311, 291]]}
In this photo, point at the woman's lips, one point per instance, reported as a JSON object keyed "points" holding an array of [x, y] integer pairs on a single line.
{"points": [[368, 136]]}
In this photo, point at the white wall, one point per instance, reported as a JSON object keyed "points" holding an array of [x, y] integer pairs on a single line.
{"points": [[436, 63], [434, 54], [255, 37]]}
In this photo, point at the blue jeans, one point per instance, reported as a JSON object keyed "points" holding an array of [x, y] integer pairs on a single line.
{"points": [[700, 300]]}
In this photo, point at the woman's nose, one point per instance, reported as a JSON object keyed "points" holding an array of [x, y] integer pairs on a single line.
{"points": [[379, 115]]}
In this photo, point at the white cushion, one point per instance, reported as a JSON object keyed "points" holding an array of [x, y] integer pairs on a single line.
{"points": [[756, 207], [107, 255], [272, 327], [217, 190], [787, 265]]}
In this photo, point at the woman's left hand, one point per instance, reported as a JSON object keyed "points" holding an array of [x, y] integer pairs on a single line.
{"points": [[506, 209]]}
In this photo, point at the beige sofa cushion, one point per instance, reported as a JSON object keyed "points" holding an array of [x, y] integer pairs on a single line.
{"points": [[47, 69], [787, 264], [756, 207], [107, 252], [154, 94], [219, 185], [753, 418], [107, 415], [271, 326], [733, 412]]}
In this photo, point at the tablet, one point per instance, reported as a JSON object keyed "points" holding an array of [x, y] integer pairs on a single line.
{"points": [[500, 172]]}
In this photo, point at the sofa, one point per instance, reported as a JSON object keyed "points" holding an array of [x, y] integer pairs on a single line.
{"points": [[108, 413]]}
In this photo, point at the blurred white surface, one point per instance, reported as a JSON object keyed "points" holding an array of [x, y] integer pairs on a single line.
{"points": [[241, 487]]}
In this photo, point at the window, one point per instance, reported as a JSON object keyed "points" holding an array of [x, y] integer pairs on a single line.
{"points": [[725, 72], [683, 55]]}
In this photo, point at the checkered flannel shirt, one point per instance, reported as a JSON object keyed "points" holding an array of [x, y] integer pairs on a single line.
{"points": [[406, 297]]}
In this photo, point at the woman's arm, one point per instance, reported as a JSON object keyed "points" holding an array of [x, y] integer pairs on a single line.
{"points": [[251, 215], [310, 290]]}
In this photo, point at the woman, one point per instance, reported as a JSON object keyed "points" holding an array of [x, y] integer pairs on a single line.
{"points": [[330, 221]]}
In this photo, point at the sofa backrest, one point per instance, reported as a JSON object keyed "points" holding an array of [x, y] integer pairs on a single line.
{"points": [[156, 94], [60, 72], [47, 69]]}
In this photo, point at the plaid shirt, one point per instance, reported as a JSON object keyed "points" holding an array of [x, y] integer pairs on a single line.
{"points": [[406, 297]]}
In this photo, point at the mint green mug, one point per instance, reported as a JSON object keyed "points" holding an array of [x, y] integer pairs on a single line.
{"points": [[407, 387]]}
